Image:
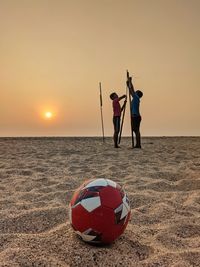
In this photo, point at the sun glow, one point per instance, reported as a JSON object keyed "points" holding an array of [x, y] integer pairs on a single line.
{"points": [[48, 114]]}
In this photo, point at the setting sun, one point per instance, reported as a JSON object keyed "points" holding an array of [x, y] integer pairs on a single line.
{"points": [[48, 115], [47, 112]]}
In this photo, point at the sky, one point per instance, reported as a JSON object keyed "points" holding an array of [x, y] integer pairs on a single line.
{"points": [[54, 53]]}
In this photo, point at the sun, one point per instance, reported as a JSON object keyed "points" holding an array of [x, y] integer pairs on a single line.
{"points": [[48, 114]]}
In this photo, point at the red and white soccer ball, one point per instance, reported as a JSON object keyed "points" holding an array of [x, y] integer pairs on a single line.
{"points": [[99, 211]]}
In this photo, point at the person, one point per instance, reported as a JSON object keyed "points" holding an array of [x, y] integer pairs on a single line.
{"points": [[135, 111], [117, 109]]}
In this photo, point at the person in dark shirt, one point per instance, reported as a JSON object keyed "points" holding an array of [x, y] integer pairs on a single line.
{"points": [[117, 109], [135, 111]]}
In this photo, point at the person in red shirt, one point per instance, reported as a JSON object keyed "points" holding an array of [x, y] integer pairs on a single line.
{"points": [[117, 109]]}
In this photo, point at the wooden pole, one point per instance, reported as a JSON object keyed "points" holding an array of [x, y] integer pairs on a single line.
{"points": [[132, 139], [122, 123], [101, 109]]}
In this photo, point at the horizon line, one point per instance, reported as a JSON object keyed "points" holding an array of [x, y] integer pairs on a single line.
{"points": [[91, 136]]}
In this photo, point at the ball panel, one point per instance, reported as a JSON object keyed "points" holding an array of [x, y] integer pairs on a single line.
{"points": [[91, 203], [82, 193], [76, 194], [118, 212], [124, 212], [97, 182], [121, 213], [126, 202], [90, 236], [81, 219], [110, 197], [103, 221], [121, 190], [111, 183]]}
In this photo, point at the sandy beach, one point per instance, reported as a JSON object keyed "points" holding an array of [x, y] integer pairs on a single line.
{"points": [[39, 175]]}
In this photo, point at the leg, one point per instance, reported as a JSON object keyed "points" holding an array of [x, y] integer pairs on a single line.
{"points": [[137, 133], [116, 139], [116, 122], [132, 128], [136, 129], [138, 139]]}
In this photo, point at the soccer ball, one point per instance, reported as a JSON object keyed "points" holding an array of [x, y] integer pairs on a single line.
{"points": [[99, 211]]}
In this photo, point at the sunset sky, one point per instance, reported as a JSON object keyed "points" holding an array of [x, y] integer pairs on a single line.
{"points": [[54, 53]]}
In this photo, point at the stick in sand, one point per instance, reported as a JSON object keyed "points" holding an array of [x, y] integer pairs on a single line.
{"points": [[123, 115], [101, 108]]}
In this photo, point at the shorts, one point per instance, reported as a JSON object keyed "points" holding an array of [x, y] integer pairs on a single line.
{"points": [[116, 123], [135, 121]]}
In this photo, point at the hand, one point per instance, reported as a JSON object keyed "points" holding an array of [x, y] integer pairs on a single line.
{"points": [[129, 80], [127, 73]]}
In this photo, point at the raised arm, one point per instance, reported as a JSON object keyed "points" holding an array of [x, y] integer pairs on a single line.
{"points": [[121, 97], [130, 84]]}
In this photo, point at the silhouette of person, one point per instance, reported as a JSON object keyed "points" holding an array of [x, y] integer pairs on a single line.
{"points": [[117, 109], [135, 111]]}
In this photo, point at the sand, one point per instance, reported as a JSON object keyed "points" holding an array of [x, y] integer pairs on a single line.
{"points": [[39, 175]]}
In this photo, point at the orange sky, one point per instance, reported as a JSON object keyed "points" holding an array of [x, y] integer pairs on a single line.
{"points": [[53, 53]]}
